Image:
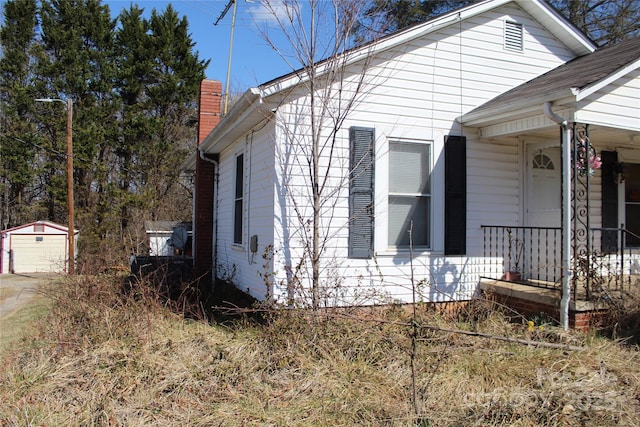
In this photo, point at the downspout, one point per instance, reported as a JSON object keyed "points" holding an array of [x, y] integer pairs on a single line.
{"points": [[214, 249], [566, 214]]}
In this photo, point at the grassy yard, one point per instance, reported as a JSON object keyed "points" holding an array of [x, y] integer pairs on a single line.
{"points": [[99, 357], [6, 293], [17, 325]]}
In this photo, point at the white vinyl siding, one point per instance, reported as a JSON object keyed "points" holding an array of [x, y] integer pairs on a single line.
{"points": [[234, 262], [616, 105], [414, 92], [417, 93]]}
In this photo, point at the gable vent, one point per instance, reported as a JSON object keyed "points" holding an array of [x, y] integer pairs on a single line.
{"points": [[513, 36]]}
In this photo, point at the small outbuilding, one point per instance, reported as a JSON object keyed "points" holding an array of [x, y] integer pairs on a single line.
{"points": [[169, 238], [35, 247]]}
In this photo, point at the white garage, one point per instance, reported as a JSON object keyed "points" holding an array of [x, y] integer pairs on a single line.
{"points": [[40, 246]]}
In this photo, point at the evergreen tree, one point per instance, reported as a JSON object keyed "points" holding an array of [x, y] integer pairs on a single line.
{"points": [[78, 63], [158, 81], [134, 75], [134, 90], [170, 102], [17, 143]]}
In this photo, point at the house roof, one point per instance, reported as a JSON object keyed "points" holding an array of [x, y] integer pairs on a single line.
{"points": [[254, 107], [577, 78], [31, 224], [165, 226], [559, 26]]}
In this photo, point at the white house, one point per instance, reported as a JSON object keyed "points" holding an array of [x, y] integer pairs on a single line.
{"points": [[456, 135], [39, 246]]}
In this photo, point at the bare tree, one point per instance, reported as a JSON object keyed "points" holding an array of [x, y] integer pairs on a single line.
{"points": [[329, 80], [605, 21]]}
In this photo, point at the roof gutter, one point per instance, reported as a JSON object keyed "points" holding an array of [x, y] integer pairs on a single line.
{"points": [[500, 111], [206, 159], [236, 122], [553, 116], [567, 273]]}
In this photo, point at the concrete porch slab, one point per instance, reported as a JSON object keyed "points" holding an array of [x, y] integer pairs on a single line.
{"points": [[529, 300]]}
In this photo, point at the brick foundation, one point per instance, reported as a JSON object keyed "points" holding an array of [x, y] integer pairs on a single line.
{"points": [[529, 301]]}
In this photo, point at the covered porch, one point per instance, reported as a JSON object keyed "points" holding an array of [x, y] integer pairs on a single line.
{"points": [[524, 272], [530, 256], [577, 241]]}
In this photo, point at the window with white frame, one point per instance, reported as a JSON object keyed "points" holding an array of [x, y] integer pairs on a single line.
{"points": [[409, 194], [238, 200]]}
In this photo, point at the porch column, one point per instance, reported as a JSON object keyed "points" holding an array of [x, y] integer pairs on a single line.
{"points": [[585, 161], [565, 143], [567, 271]]}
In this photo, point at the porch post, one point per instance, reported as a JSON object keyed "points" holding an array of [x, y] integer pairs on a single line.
{"points": [[565, 142], [566, 225]]}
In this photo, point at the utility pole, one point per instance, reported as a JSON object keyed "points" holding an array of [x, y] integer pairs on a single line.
{"points": [[233, 26], [71, 232]]}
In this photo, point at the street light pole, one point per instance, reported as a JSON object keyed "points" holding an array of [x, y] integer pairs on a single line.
{"points": [[71, 231]]}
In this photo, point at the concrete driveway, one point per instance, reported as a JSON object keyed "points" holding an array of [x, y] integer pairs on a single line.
{"points": [[18, 289]]}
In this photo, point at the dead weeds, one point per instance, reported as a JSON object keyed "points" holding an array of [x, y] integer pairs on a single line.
{"points": [[104, 358]]}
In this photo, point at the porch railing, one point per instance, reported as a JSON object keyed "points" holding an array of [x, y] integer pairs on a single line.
{"points": [[612, 264], [518, 253], [532, 255]]}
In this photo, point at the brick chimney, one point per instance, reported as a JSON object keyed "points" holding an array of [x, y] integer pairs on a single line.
{"points": [[209, 115], [209, 112]]}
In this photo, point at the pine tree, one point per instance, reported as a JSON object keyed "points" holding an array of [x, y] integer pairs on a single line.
{"points": [[78, 63], [158, 82], [171, 107], [134, 90], [17, 143], [134, 75]]}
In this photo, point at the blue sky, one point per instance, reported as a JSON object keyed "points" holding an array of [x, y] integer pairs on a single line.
{"points": [[253, 61]]}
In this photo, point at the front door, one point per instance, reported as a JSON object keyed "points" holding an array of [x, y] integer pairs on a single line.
{"points": [[544, 202], [545, 195]]}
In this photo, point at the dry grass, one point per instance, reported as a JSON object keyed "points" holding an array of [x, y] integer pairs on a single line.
{"points": [[17, 325], [7, 292], [101, 358]]}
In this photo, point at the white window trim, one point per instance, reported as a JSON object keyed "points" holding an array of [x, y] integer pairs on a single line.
{"points": [[381, 243], [239, 151]]}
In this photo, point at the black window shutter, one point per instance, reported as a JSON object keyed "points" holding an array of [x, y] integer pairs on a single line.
{"points": [[609, 208], [361, 180], [455, 195]]}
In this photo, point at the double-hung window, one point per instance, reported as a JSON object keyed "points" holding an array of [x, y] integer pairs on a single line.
{"points": [[238, 200], [409, 195]]}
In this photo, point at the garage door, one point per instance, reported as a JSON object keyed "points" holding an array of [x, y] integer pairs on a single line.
{"points": [[38, 253]]}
